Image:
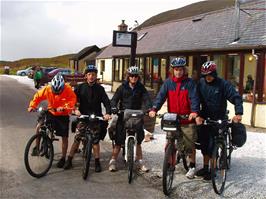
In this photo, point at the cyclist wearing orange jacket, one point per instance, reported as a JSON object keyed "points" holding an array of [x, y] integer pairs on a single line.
{"points": [[61, 100]]}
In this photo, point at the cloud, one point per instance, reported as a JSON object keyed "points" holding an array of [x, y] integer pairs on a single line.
{"points": [[51, 28]]}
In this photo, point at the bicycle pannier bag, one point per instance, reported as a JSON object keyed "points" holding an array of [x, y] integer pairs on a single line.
{"points": [[133, 119], [169, 122], [239, 134]]}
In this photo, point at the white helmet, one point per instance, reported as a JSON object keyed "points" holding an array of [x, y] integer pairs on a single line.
{"points": [[133, 70], [57, 84]]}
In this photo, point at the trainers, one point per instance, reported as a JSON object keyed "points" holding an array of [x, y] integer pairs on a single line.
{"points": [[68, 165], [98, 167], [35, 151], [207, 177], [191, 173], [141, 167], [202, 172], [112, 165], [61, 163]]}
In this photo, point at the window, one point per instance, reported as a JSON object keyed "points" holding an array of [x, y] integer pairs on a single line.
{"points": [[163, 69], [102, 65], [141, 68], [233, 70], [148, 71], [220, 62], [116, 75], [264, 82]]}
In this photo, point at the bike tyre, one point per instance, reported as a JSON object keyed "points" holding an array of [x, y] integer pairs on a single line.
{"points": [[27, 151], [220, 155], [130, 158], [168, 169], [86, 158]]}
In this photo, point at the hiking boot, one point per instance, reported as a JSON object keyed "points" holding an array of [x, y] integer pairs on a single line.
{"points": [[191, 173], [207, 177], [35, 151], [202, 172], [141, 167], [112, 165], [68, 165], [61, 163], [98, 167]]}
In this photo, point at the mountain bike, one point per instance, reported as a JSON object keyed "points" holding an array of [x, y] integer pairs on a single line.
{"points": [[39, 151], [89, 129], [221, 153], [133, 123], [174, 149]]}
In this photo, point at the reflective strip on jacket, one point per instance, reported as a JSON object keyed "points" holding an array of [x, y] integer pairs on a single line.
{"points": [[67, 99]]}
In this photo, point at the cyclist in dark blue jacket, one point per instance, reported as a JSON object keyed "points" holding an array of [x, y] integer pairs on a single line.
{"points": [[214, 93]]}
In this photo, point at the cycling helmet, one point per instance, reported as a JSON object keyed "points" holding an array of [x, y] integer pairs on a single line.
{"points": [[239, 134], [208, 68], [133, 70], [91, 68], [178, 62], [57, 84]]}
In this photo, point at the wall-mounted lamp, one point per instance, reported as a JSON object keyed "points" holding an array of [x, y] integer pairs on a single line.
{"points": [[250, 58]]}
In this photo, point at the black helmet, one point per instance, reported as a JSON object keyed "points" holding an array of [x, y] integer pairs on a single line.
{"points": [[239, 134], [91, 68]]}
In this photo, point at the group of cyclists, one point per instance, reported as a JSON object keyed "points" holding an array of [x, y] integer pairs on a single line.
{"points": [[204, 99]]}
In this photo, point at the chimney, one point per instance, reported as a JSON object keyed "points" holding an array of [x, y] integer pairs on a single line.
{"points": [[237, 20], [122, 26]]}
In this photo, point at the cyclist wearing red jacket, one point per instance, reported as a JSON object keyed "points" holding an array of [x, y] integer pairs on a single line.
{"points": [[182, 98]]}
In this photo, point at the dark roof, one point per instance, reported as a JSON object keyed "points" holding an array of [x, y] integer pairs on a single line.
{"points": [[187, 11], [206, 32], [85, 52]]}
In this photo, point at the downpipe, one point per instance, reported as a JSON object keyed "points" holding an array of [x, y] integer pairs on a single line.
{"points": [[252, 119]]}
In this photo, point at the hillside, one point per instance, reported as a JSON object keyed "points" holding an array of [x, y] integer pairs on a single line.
{"points": [[59, 61], [187, 11]]}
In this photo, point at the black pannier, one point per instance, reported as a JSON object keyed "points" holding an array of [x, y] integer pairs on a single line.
{"points": [[170, 122], [239, 134], [133, 119]]}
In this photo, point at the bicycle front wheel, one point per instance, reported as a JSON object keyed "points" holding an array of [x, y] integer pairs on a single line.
{"points": [[86, 157], [219, 167], [168, 168], [38, 155], [130, 158]]}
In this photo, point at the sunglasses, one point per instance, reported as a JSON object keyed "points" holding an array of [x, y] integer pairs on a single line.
{"points": [[136, 76]]}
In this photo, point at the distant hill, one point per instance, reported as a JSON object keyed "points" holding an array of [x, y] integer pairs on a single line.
{"points": [[187, 11], [59, 61]]}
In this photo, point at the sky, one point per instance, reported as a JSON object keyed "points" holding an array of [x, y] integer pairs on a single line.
{"points": [[38, 29]]}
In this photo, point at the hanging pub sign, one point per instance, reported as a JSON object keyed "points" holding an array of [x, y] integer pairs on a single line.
{"points": [[124, 39]]}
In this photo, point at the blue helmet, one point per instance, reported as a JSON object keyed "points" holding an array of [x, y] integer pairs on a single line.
{"points": [[57, 84], [178, 62], [91, 68]]}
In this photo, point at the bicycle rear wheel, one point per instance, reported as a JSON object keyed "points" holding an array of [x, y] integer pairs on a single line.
{"points": [[168, 169], [219, 167], [130, 158], [86, 157], [38, 155]]}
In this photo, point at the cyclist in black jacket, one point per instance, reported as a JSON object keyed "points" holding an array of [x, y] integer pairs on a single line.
{"points": [[214, 93], [90, 96], [129, 95]]}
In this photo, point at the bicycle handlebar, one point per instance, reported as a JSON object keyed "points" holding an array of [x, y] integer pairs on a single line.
{"points": [[91, 117]]}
